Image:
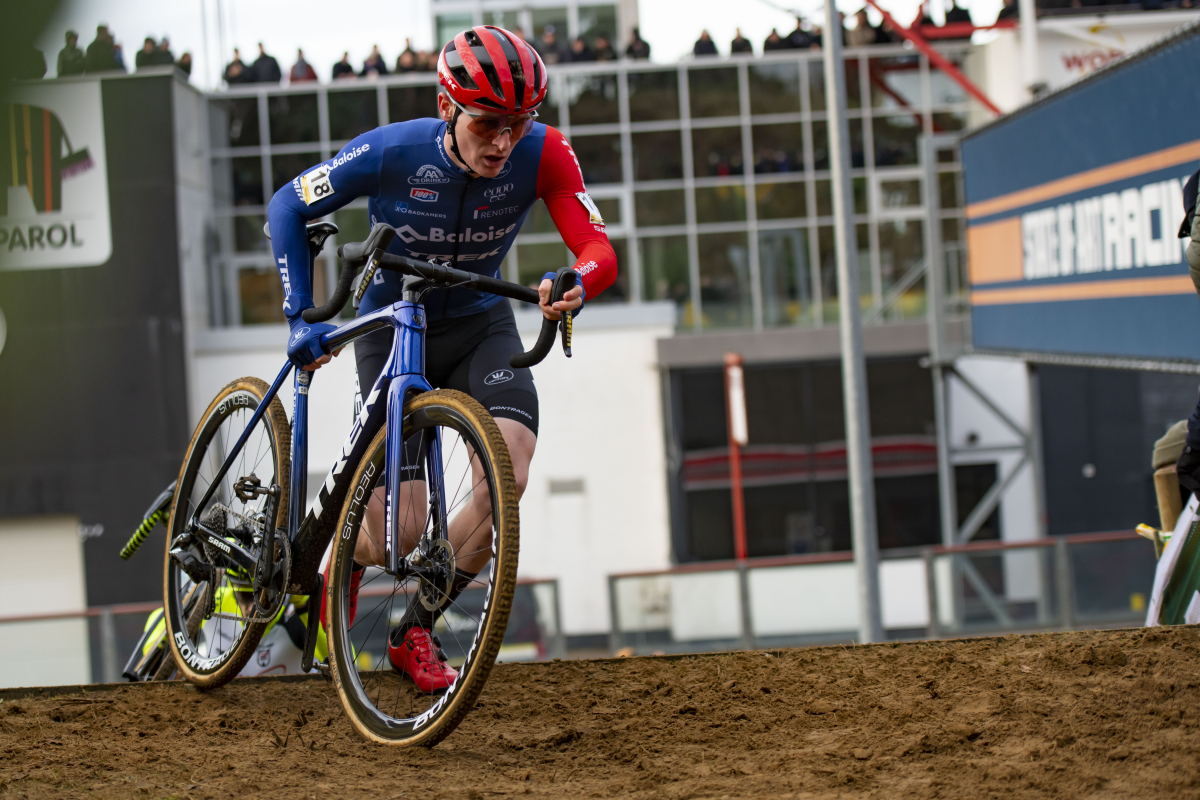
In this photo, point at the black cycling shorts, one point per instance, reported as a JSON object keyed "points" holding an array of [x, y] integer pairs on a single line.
{"points": [[469, 354]]}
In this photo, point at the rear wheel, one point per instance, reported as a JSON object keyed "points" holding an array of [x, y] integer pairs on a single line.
{"points": [[477, 474], [212, 625]]}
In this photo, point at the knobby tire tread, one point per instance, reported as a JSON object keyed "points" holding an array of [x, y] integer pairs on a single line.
{"points": [[277, 418], [504, 575]]}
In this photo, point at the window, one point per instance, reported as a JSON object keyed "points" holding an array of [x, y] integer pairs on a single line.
{"points": [[235, 122], [663, 207], [657, 156], [778, 148], [408, 102], [293, 118], [717, 151], [653, 96], [786, 281], [285, 167], [781, 200], [352, 113], [665, 273], [720, 204], [724, 280], [713, 92], [593, 99], [774, 88], [599, 157]]}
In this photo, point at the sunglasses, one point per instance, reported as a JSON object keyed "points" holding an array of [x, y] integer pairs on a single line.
{"points": [[491, 126]]}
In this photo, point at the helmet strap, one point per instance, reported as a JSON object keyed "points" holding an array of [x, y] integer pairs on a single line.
{"points": [[454, 141]]}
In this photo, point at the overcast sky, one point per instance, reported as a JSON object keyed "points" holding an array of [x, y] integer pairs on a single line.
{"points": [[325, 30]]}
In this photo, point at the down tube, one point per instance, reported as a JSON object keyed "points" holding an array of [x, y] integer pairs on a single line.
{"points": [[401, 387]]}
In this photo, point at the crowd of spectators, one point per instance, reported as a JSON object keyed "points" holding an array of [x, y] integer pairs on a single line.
{"points": [[105, 54]]}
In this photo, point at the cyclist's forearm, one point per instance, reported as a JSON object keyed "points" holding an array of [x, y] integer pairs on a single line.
{"points": [[596, 264], [289, 241]]}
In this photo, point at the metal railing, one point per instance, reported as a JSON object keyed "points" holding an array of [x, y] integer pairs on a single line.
{"points": [[92, 645], [1094, 580]]}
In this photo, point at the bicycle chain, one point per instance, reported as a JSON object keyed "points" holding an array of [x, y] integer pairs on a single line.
{"points": [[281, 535]]}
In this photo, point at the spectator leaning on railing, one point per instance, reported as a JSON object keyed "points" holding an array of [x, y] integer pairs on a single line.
{"points": [[265, 68], [301, 71], [774, 42], [147, 56], [70, 58], [740, 44], [374, 66], [343, 69], [637, 49], [236, 71], [407, 60], [704, 45], [604, 49], [101, 54]]}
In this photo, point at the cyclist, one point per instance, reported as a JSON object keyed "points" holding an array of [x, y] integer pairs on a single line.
{"points": [[456, 188]]}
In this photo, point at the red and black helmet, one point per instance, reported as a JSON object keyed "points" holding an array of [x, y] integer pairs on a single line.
{"points": [[493, 70]]}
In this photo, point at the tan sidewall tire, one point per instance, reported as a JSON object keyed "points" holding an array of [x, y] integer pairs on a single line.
{"points": [[504, 573], [281, 430]]}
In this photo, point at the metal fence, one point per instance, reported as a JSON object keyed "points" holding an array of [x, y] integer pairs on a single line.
{"points": [[92, 646], [982, 588], [712, 176]]}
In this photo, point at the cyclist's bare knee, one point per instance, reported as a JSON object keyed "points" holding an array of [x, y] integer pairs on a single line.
{"points": [[370, 548], [521, 443]]}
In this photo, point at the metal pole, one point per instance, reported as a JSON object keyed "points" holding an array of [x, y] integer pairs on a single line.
{"points": [[747, 620], [614, 613], [854, 365], [735, 419], [108, 646], [1029, 47], [1063, 579]]}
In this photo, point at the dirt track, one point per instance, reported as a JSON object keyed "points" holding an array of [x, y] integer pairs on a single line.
{"points": [[1096, 714]]}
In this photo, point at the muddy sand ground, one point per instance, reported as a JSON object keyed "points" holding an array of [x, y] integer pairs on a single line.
{"points": [[1090, 714]]}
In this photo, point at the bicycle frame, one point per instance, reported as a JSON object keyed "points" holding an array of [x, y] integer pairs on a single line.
{"points": [[403, 374]]}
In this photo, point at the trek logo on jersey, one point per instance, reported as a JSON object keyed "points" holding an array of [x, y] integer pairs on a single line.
{"points": [[499, 376], [497, 192], [315, 185], [424, 195], [287, 284], [428, 174]]}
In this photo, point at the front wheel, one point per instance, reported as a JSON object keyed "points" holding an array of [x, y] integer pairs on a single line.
{"points": [[478, 515]]}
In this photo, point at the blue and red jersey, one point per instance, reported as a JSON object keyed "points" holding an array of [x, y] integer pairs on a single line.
{"points": [[440, 212]]}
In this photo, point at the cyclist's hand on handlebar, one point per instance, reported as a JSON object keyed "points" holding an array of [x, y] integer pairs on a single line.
{"points": [[304, 344], [571, 300]]}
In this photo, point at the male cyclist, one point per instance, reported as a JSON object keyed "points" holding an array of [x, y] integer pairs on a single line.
{"points": [[456, 188]]}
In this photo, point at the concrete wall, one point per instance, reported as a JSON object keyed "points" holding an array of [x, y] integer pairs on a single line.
{"points": [[41, 572]]}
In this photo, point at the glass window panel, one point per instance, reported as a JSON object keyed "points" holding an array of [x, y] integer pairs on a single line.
{"points": [[539, 220], [720, 204], [665, 273], [948, 189], [895, 140], [352, 113], [895, 82], [778, 148], [899, 194], [509, 20], [353, 224], [829, 292], [774, 88], [786, 282], [599, 157], [816, 84], [245, 187], [293, 118], [714, 92], [657, 156], [653, 95], [411, 102], [260, 295], [857, 144], [548, 16], [598, 21], [619, 291], [724, 280], [901, 249], [609, 208], [235, 122], [535, 260], [663, 207], [284, 168], [944, 90], [448, 25], [781, 200], [593, 99], [948, 122], [248, 234], [825, 197], [952, 230], [717, 151], [548, 112]]}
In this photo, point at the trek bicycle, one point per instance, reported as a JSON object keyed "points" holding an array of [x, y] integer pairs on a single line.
{"points": [[240, 543]]}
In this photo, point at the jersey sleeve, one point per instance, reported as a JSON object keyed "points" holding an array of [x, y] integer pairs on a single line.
{"points": [[321, 190], [560, 186]]}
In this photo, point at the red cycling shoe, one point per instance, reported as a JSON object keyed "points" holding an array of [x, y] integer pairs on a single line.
{"points": [[355, 581], [419, 656]]}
